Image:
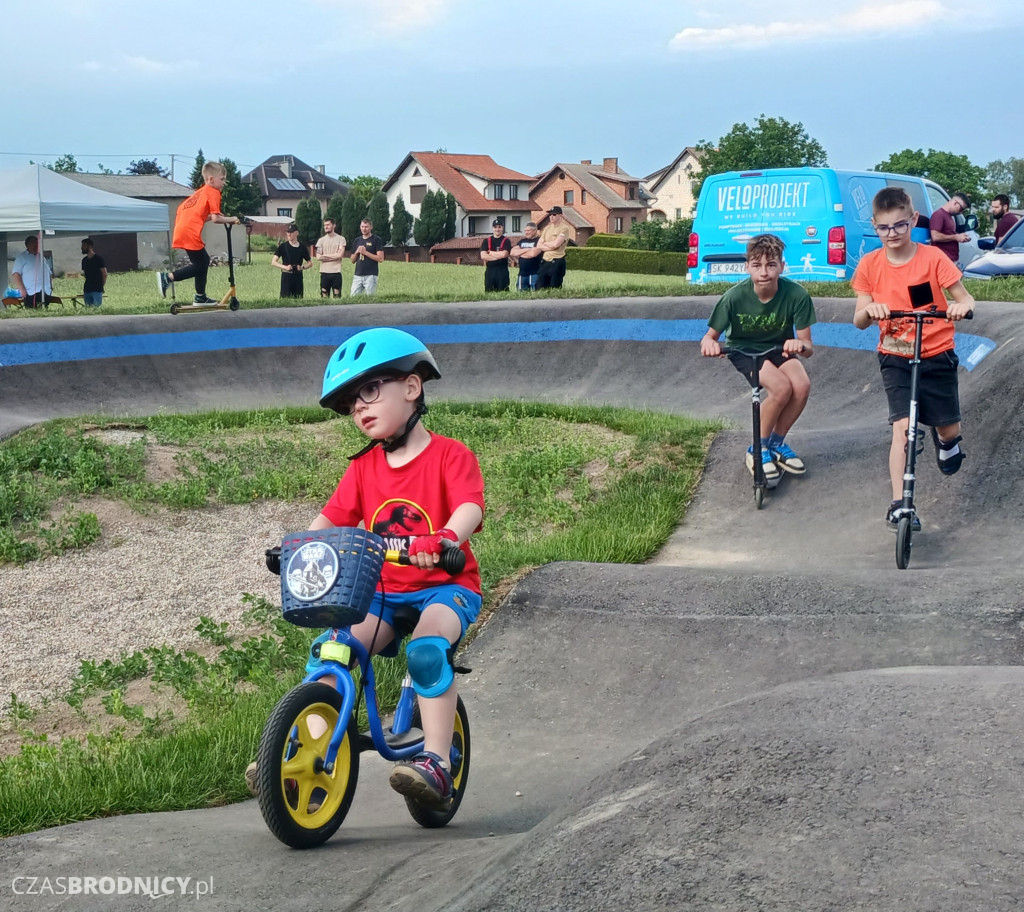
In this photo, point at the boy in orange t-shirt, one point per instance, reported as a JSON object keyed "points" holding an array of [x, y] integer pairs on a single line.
{"points": [[201, 207], [883, 282]]}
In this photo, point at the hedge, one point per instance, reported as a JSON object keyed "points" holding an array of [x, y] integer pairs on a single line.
{"points": [[642, 262], [607, 240]]}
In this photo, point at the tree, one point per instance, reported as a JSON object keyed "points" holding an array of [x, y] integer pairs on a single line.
{"points": [[352, 212], [335, 209], [661, 235], [307, 218], [772, 143], [401, 223], [196, 177], [428, 229], [954, 173], [449, 217], [363, 186], [237, 198], [65, 164], [1006, 177], [146, 166], [379, 213]]}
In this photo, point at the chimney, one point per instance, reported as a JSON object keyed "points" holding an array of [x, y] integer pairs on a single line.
{"points": [[286, 167], [586, 161], [321, 168], [611, 164]]}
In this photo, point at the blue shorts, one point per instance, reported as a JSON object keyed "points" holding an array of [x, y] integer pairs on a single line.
{"points": [[464, 602], [92, 298]]}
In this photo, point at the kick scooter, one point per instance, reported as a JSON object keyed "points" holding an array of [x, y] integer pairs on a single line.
{"points": [[756, 359], [907, 512], [228, 302]]}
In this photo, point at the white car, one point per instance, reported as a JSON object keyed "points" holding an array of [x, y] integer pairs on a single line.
{"points": [[998, 262]]}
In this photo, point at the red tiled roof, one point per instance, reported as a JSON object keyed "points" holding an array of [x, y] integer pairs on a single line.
{"points": [[446, 168]]}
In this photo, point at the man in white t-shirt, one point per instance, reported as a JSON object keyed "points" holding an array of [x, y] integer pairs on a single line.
{"points": [[330, 250], [31, 275]]}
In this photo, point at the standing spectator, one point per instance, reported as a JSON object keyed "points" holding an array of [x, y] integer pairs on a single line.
{"points": [[31, 275], [94, 270], [494, 252], [553, 239], [291, 258], [330, 251], [526, 255], [1002, 217], [943, 226], [367, 253], [201, 207]]}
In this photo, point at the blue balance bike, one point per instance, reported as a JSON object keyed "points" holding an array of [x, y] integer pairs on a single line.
{"points": [[308, 758]]}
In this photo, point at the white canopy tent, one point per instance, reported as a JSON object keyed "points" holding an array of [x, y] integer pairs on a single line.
{"points": [[40, 201]]}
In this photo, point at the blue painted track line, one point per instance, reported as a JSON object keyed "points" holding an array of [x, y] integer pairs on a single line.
{"points": [[971, 349]]}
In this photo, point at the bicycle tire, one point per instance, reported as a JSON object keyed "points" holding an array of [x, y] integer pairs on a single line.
{"points": [[904, 541], [431, 818], [303, 806]]}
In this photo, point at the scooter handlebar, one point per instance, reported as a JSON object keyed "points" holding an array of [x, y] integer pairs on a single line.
{"points": [[931, 313], [452, 559]]}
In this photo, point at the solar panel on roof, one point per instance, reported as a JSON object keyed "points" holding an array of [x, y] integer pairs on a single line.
{"points": [[286, 183]]}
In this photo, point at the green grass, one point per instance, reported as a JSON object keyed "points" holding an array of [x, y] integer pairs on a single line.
{"points": [[563, 483], [258, 285]]}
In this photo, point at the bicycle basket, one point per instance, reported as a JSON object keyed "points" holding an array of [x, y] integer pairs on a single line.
{"points": [[328, 577]]}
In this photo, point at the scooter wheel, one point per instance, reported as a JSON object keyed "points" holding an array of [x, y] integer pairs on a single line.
{"points": [[759, 497], [904, 533], [174, 308], [234, 305]]}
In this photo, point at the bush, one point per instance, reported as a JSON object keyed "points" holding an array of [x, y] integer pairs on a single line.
{"points": [[661, 235], [606, 240], [608, 259]]}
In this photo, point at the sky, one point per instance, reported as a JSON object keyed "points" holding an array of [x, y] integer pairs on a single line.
{"points": [[354, 85]]}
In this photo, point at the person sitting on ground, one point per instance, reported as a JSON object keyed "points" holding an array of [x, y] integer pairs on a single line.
{"points": [[435, 486], [883, 282], [201, 207], [755, 314], [31, 276]]}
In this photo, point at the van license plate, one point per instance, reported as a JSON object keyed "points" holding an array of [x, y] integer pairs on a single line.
{"points": [[726, 268]]}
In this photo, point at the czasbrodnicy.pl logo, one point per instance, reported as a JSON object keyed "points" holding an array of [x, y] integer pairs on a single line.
{"points": [[116, 885]]}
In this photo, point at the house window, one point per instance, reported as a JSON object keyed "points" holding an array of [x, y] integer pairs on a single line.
{"points": [[631, 193], [583, 197], [317, 185], [567, 197], [513, 191], [679, 213], [499, 191], [618, 225], [287, 213], [417, 192], [472, 224], [416, 172], [516, 222], [632, 220]]}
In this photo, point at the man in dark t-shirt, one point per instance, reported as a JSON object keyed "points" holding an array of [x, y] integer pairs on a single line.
{"points": [[291, 258], [367, 254], [494, 253], [1002, 218], [94, 271], [528, 257], [943, 226]]}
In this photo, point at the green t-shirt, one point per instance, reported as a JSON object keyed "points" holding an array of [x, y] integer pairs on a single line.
{"points": [[747, 322]]}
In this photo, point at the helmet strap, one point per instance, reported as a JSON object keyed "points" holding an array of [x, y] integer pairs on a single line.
{"points": [[390, 444]]}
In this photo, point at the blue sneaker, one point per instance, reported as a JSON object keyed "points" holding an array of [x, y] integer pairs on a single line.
{"points": [[787, 460], [424, 779], [771, 471], [163, 282]]}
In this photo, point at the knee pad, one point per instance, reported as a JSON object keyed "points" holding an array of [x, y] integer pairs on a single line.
{"points": [[430, 665]]}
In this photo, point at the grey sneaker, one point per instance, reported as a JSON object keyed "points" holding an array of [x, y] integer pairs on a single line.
{"points": [[163, 282]]}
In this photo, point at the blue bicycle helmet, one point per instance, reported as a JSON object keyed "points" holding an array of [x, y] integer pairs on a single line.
{"points": [[370, 353]]}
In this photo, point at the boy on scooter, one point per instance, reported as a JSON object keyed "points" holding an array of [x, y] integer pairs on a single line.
{"points": [[759, 312], [887, 279]]}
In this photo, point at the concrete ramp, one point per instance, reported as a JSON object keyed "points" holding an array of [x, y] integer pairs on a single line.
{"points": [[767, 716]]}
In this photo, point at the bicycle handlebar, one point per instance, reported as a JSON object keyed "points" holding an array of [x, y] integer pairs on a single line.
{"points": [[452, 559]]}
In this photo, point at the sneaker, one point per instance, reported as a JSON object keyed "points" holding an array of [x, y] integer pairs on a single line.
{"points": [[291, 789], [951, 464], [771, 471], [163, 282], [892, 520], [252, 777], [424, 779], [202, 299], [787, 460]]}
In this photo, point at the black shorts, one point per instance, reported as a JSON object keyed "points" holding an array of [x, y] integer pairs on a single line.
{"points": [[496, 279], [291, 284], [938, 393], [330, 281], [742, 362]]}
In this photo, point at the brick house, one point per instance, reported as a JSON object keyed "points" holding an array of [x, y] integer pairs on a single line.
{"points": [[594, 198], [284, 180], [671, 188], [483, 190]]}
